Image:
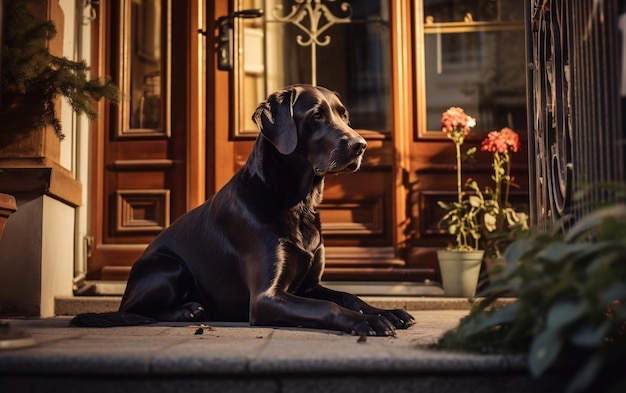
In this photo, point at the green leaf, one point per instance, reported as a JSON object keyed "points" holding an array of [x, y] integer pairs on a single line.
{"points": [[557, 252], [472, 185], [590, 335], [586, 376], [562, 314], [497, 317], [594, 219], [489, 221], [443, 205], [544, 350], [615, 292], [518, 249], [474, 201]]}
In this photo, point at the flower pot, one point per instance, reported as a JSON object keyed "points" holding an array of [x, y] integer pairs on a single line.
{"points": [[493, 267], [459, 271], [7, 207]]}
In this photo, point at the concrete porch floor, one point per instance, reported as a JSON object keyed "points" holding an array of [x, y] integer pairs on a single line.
{"points": [[233, 357]]}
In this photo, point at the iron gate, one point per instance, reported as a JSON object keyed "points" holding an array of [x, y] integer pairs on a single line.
{"points": [[576, 135]]}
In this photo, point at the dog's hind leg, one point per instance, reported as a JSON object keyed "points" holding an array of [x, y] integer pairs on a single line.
{"points": [[162, 288], [159, 289]]}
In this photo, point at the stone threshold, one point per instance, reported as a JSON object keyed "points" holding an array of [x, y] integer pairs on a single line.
{"points": [[105, 296]]}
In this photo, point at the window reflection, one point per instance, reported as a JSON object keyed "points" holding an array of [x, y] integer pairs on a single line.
{"points": [[342, 45], [480, 10], [366, 79], [474, 57], [146, 64], [143, 67]]}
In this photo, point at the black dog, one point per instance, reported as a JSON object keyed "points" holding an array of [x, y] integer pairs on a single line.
{"points": [[254, 251]]}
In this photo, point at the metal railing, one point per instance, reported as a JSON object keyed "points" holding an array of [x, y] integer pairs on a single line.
{"points": [[576, 133]]}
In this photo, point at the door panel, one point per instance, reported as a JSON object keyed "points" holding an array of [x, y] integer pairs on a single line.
{"points": [[347, 50], [139, 162]]}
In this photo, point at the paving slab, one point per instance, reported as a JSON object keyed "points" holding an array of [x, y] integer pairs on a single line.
{"points": [[235, 357]]}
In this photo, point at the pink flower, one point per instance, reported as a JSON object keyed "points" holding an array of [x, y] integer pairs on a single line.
{"points": [[501, 141], [455, 119]]}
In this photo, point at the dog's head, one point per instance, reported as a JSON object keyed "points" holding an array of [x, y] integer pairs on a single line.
{"points": [[312, 122]]}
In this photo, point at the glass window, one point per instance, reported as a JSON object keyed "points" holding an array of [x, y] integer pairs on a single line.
{"points": [[474, 57], [143, 68], [342, 45]]}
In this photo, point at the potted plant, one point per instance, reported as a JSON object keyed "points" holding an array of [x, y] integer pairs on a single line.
{"points": [[32, 77], [460, 263], [569, 317], [500, 222]]}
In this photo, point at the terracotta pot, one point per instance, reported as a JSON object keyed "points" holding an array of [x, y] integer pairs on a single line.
{"points": [[7, 207], [460, 271]]}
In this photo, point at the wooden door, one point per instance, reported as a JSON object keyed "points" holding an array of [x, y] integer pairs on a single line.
{"points": [[382, 222], [145, 151], [350, 49]]}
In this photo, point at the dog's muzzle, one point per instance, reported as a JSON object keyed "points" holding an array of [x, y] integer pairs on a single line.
{"points": [[347, 160]]}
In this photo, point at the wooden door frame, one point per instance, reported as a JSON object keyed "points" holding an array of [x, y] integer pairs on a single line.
{"points": [[217, 106], [197, 121], [402, 66]]}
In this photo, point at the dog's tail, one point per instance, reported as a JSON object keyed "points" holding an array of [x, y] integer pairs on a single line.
{"points": [[110, 319]]}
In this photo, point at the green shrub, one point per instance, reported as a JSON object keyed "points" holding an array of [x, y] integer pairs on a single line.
{"points": [[570, 310]]}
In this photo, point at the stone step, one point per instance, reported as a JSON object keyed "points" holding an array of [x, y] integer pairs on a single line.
{"points": [[234, 357]]}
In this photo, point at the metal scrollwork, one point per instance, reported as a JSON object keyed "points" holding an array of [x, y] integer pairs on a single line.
{"points": [[552, 108], [577, 133], [320, 19]]}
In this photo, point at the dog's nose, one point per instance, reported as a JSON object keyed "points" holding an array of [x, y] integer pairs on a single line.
{"points": [[358, 145]]}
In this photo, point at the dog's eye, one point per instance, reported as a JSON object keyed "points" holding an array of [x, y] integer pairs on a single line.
{"points": [[318, 115], [344, 115]]}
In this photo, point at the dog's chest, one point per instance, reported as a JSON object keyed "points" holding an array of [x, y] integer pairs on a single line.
{"points": [[298, 250], [305, 230]]}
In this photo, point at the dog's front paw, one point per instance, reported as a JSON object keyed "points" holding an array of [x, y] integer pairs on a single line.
{"points": [[373, 325], [399, 318]]}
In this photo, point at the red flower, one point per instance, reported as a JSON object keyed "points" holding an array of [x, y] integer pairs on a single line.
{"points": [[501, 141], [455, 119]]}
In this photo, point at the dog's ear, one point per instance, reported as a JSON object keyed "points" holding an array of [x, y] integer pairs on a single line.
{"points": [[274, 118]]}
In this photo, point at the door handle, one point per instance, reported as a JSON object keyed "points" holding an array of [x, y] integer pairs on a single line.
{"points": [[225, 42]]}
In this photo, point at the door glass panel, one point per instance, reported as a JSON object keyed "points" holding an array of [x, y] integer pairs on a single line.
{"points": [[143, 34], [474, 57], [341, 45]]}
